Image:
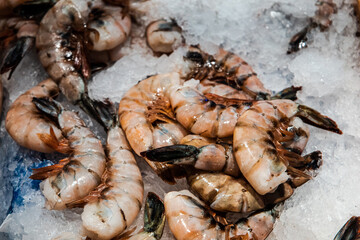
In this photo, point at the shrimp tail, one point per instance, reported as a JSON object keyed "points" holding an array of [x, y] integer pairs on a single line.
{"points": [[106, 113], [13, 54], [103, 112], [313, 117], [48, 106], [351, 229], [175, 154], [51, 141], [154, 216], [45, 172], [287, 93]]}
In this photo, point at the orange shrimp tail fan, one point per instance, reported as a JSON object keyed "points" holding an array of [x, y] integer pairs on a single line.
{"points": [[51, 141], [45, 172]]}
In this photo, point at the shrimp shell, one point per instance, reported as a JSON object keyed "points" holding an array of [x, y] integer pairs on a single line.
{"points": [[109, 30], [120, 202], [81, 172], [141, 133], [24, 121], [188, 219], [202, 116], [60, 50], [255, 146], [224, 193]]}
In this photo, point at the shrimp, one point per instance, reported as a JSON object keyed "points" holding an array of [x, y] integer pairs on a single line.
{"points": [[17, 37], [112, 209], [154, 220], [206, 115], [109, 28], [202, 153], [189, 219], [226, 194], [258, 136], [76, 176], [147, 119], [24, 121], [351, 230], [60, 44], [226, 67], [163, 36]]}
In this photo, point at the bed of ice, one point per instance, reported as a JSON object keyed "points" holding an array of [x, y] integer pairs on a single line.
{"points": [[258, 31]]}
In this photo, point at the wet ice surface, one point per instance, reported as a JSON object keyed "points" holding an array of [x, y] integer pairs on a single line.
{"points": [[259, 32]]}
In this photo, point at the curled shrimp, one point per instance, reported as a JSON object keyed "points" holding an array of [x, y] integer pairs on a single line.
{"points": [[24, 121], [75, 177], [17, 37], [61, 44], [114, 205], [154, 220], [163, 36], [228, 194], [109, 28], [189, 219], [258, 136], [147, 119], [200, 152]]}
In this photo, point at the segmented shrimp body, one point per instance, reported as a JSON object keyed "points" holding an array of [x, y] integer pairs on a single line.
{"points": [[257, 141], [189, 219], [1, 95], [109, 29], [61, 50], [73, 178], [204, 115], [24, 121], [121, 197], [146, 117], [228, 68], [163, 36]]}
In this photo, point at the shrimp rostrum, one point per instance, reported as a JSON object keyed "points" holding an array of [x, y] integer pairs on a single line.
{"points": [[188, 218], [75, 177], [258, 137]]}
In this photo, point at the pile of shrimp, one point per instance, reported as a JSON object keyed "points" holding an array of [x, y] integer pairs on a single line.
{"points": [[239, 145]]}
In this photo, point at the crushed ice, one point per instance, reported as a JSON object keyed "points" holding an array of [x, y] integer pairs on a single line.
{"points": [[259, 32]]}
